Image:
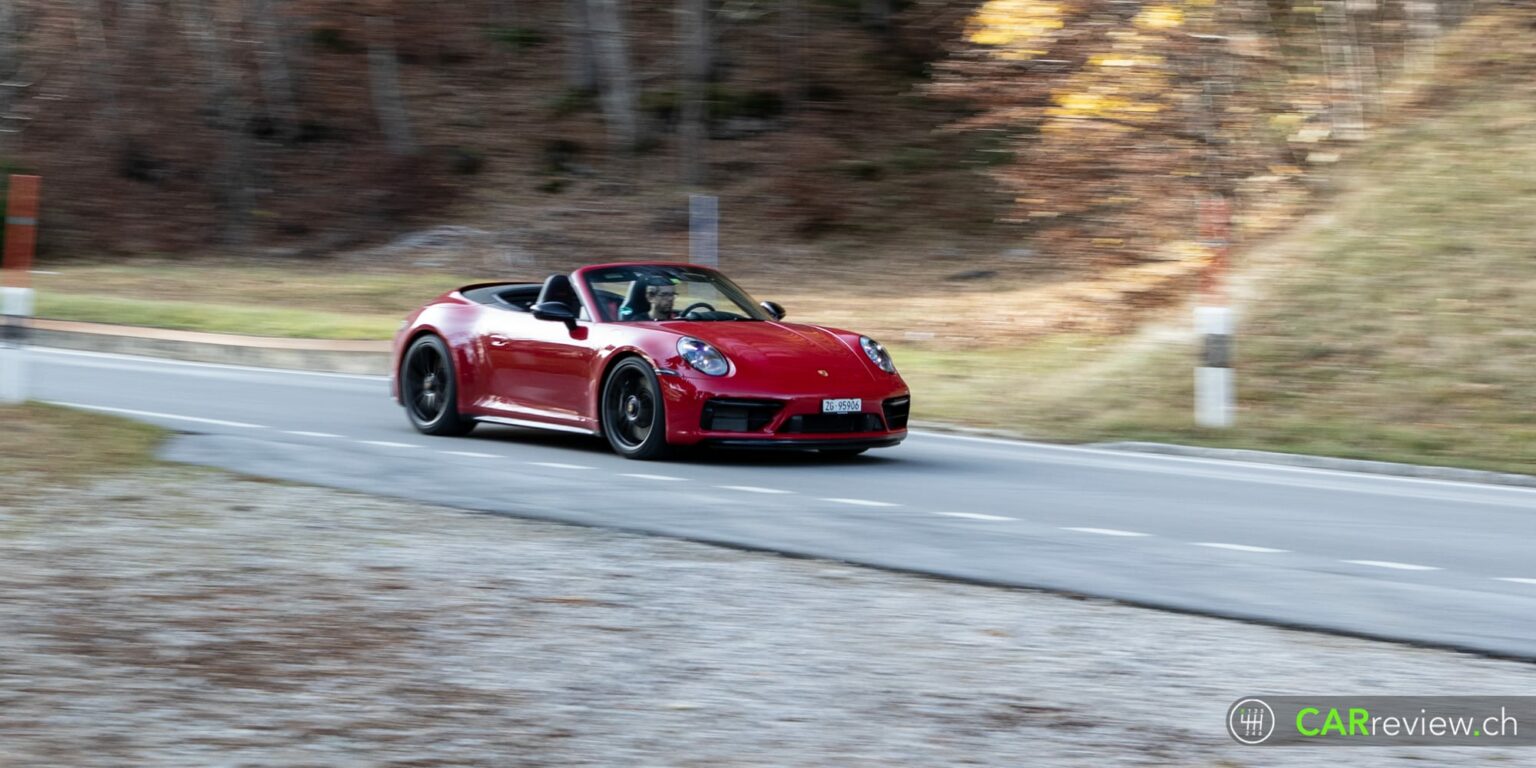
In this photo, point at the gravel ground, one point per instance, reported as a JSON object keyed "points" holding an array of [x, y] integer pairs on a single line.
{"points": [[188, 618]]}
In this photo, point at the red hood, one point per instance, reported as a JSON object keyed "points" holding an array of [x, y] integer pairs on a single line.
{"points": [[791, 348]]}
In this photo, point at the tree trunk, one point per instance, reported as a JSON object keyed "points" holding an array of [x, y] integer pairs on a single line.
{"points": [[102, 76], [693, 128], [580, 55], [503, 14], [227, 114], [10, 60], [618, 89], [1341, 53], [876, 14], [792, 57], [1423, 32], [1362, 33], [272, 64], [384, 82]]}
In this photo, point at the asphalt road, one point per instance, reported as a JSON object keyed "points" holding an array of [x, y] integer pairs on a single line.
{"points": [[1425, 561]]}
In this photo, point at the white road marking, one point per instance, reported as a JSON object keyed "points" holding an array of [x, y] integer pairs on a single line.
{"points": [[751, 489], [1392, 565], [155, 415], [160, 363], [388, 444], [471, 454], [1107, 531], [643, 476], [557, 465], [1247, 466], [301, 433], [1515, 580], [1235, 547], [973, 516], [862, 502]]}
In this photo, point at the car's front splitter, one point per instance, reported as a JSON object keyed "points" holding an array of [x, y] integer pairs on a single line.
{"points": [[786, 443]]}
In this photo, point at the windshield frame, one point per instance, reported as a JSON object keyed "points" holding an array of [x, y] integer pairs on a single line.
{"points": [[588, 276]]}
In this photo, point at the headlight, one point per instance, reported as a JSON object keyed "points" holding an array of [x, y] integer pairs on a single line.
{"points": [[703, 357], [877, 354]]}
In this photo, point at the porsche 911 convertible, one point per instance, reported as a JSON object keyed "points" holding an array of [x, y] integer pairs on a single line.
{"points": [[649, 356]]}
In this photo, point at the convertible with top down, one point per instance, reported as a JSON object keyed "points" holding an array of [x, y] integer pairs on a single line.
{"points": [[649, 356]]}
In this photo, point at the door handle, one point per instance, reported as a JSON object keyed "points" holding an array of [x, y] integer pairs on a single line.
{"points": [[498, 340]]}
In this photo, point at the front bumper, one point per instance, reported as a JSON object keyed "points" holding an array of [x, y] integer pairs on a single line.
{"points": [[696, 411]]}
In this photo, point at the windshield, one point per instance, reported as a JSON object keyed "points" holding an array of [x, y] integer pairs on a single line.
{"points": [[645, 292]]}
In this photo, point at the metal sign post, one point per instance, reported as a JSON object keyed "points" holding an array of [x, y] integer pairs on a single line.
{"points": [[1214, 385], [704, 230], [16, 299]]}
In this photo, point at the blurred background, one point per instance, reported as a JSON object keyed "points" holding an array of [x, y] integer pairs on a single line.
{"points": [[1022, 197]]}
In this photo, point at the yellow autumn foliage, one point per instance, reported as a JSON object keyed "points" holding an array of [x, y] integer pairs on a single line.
{"points": [[1016, 28], [1163, 16]]}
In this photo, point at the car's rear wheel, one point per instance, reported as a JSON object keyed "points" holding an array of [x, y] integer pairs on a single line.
{"points": [[634, 418], [429, 390]]}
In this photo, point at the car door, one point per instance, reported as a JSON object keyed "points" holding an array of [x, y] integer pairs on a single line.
{"points": [[541, 369]]}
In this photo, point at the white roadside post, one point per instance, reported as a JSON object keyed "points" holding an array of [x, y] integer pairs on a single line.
{"points": [[15, 295], [1213, 379], [704, 230], [1214, 386], [16, 306]]}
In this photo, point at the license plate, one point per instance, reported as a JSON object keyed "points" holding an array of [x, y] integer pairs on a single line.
{"points": [[853, 405]]}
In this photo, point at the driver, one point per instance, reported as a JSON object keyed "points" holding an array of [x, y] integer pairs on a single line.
{"points": [[653, 302], [661, 298]]}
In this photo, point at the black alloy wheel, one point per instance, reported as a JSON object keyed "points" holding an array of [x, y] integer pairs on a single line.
{"points": [[634, 418], [428, 389]]}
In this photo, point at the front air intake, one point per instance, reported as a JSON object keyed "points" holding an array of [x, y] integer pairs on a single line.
{"points": [[896, 410], [723, 415], [831, 423]]}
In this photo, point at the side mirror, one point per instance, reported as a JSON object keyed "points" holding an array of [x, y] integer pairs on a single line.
{"points": [[773, 309], [558, 311]]}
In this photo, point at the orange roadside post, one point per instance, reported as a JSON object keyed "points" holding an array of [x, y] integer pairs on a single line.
{"points": [[21, 229], [15, 293]]}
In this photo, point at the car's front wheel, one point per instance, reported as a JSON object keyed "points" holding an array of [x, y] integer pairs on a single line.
{"points": [[429, 390], [634, 419]]}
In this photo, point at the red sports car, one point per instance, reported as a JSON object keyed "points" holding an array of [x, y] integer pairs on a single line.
{"points": [[650, 356]]}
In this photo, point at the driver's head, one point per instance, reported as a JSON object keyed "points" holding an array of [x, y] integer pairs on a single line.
{"points": [[661, 296]]}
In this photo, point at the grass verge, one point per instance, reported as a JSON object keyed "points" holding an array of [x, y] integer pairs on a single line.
{"points": [[217, 318], [43, 445]]}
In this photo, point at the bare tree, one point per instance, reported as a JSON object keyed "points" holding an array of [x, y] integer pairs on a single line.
{"points": [[10, 58], [272, 65], [617, 78], [384, 82], [1342, 56], [581, 55], [692, 130], [100, 73], [504, 13], [792, 56], [1362, 23], [876, 14], [1423, 31], [228, 114]]}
